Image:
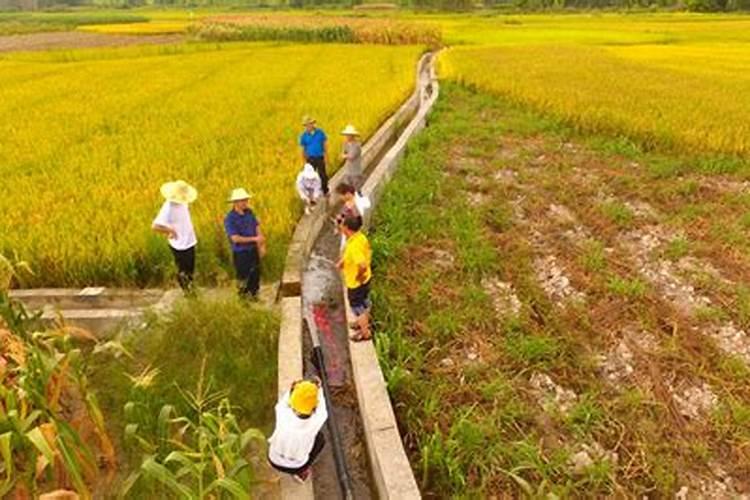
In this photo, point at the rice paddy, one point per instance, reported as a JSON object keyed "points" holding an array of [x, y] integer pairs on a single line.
{"points": [[89, 136]]}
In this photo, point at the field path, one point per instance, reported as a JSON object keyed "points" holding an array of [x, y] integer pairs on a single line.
{"points": [[78, 40]]}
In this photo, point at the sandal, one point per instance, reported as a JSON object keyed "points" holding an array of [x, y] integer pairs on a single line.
{"points": [[354, 326], [358, 337]]}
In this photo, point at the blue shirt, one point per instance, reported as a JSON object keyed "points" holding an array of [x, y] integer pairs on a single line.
{"points": [[241, 225], [314, 143]]}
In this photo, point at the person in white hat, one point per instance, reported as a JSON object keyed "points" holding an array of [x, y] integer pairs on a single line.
{"points": [[314, 145], [352, 155], [174, 222], [309, 187], [247, 241]]}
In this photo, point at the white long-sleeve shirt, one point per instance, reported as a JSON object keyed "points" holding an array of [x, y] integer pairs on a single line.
{"points": [[294, 437], [312, 189]]}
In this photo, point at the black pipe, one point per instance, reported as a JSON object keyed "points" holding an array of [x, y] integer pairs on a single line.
{"points": [[342, 471]]}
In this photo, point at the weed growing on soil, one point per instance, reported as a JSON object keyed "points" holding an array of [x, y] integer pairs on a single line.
{"points": [[628, 392]]}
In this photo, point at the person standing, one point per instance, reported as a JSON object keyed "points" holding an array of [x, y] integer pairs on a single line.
{"points": [[297, 439], [314, 143], [355, 264], [309, 187], [247, 241], [352, 155], [174, 222]]}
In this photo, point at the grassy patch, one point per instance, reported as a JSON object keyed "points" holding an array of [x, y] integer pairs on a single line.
{"points": [[164, 359]]}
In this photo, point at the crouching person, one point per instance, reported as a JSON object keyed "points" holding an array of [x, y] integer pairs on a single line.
{"points": [[309, 187], [298, 438]]}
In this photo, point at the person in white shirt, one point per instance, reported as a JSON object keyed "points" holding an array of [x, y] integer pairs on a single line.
{"points": [[309, 187], [298, 438], [174, 222]]}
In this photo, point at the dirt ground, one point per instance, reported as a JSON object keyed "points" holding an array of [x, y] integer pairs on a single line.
{"points": [[79, 40]]}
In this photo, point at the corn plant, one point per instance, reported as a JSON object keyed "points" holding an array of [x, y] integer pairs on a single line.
{"points": [[45, 404], [203, 454]]}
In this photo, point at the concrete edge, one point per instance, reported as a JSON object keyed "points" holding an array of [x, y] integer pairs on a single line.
{"points": [[308, 228], [390, 467], [290, 352], [291, 368]]}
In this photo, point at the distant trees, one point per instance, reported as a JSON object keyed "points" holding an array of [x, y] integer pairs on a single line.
{"points": [[448, 5]]}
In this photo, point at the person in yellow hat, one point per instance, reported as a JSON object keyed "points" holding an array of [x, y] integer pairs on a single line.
{"points": [[174, 222], [248, 244], [297, 439]]}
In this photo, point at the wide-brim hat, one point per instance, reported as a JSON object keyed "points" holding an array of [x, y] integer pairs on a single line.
{"points": [[179, 192], [308, 120], [350, 130], [308, 172], [239, 194]]}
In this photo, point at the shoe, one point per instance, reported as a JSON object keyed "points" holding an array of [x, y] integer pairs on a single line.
{"points": [[302, 477]]}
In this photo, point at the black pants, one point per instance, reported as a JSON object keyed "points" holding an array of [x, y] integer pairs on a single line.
{"points": [[247, 267], [185, 260], [319, 163], [320, 442]]}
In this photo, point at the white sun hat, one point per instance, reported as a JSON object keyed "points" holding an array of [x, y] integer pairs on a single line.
{"points": [[179, 192], [308, 120], [239, 194], [349, 130], [308, 172]]}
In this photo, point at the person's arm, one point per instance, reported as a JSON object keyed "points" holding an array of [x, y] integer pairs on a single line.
{"points": [[361, 274], [234, 235], [164, 230], [161, 223]]}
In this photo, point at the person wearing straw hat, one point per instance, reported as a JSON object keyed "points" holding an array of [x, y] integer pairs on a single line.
{"points": [[247, 241], [352, 155], [297, 439], [174, 222], [309, 187], [314, 143]]}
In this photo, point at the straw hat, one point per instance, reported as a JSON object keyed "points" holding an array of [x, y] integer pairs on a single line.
{"points": [[239, 194], [304, 397], [308, 172], [349, 130], [179, 192], [308, 120]]}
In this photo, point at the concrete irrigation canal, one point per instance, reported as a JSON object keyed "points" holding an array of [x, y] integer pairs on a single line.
{"points": [[364, 457]]}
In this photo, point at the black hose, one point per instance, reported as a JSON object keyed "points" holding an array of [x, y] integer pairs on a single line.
{"points": [[342, 471]]}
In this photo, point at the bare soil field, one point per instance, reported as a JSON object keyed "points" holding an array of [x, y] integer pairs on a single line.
{"points": [[79, 40]]}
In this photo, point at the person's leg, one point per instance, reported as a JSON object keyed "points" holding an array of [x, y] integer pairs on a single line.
{"points": [[253, 274], [242, 270], [320, 167], [185, 261], [359, 303]]}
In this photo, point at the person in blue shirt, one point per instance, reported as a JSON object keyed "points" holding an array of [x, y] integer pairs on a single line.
{"points": [[314, 143], [248, 243]]}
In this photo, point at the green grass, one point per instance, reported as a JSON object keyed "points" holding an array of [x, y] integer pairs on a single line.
{"points": [[236, 341], [22, 23], [431, 315]]}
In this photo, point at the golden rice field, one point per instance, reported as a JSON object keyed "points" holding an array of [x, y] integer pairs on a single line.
{"points": [[682, 84], [89, 136]]}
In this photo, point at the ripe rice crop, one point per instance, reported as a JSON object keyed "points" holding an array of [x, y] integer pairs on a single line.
{"points": [[89, 136], [690, 98], [149, 28], [316, 29]]}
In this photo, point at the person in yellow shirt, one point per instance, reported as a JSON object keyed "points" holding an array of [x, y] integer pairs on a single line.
{"points": [[355, 266]]}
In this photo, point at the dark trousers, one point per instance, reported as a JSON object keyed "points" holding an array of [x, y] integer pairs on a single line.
{"points": [[185, 260], [320, 442], [247, 267], [319, 163]]}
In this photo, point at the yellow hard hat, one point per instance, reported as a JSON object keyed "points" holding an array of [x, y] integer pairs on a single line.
{"points": [[304, 397]]}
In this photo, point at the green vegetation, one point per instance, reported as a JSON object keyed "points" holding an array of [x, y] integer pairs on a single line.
{"points": [[17, 23], [564, 396]]}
